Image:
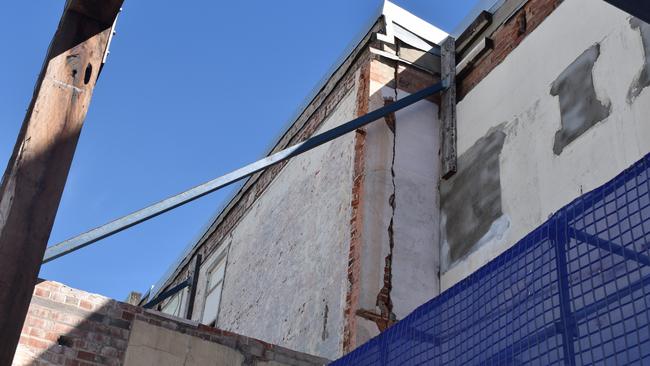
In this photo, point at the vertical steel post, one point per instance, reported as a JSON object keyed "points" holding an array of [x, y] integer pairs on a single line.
{"points": [[559, 239], [195, 281]]}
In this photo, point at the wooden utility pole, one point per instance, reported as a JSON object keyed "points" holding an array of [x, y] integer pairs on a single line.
{"points": [[33, 182]]}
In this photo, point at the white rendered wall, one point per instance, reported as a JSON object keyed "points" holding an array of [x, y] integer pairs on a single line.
{"points": [[534, 181], [286, 273]]}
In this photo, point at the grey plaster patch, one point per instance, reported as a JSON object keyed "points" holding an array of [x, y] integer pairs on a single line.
{"points": [[642, 78], [471, 200], [580, 108]]}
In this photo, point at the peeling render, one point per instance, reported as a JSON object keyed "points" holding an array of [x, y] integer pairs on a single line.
{"points": [[580, 108], [400, 252], [384, 303], [642, 79], [471, 200], [305, 247]]}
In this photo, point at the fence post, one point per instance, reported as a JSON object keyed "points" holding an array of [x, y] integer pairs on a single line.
{"points": [[559, 239]]}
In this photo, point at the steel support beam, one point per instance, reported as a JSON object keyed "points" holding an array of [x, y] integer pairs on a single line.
{"points": [[194, 274], [33, 181], [608, 246], [170, 203], [568, 328], [638, 8], [169, 293]]}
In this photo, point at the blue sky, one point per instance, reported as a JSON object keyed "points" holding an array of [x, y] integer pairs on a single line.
{"points": [[190, 92]]}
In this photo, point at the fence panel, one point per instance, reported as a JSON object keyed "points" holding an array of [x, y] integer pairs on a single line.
{"points": [[575, 291]]}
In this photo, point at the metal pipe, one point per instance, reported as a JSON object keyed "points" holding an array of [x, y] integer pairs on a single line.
{"points": [[170, 203], [169, 293]]}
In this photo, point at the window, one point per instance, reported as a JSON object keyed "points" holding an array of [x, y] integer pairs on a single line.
{"points": [[174, 305], [213, 292]]}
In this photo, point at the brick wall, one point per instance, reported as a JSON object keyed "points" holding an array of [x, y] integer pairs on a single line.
{"points": [[506, 38], [311, 118], [66, 326]]}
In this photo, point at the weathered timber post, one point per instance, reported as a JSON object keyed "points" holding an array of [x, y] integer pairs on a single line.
{"points": [[448, 108], [33, 181]]}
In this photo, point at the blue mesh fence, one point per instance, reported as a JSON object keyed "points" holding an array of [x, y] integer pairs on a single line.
{"points": [[576, 291]]}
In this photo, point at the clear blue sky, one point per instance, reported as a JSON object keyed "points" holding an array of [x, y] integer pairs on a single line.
{"points": [[191, 90]]}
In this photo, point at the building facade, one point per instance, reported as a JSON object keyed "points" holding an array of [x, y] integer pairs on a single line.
{"points": [[323, 252]]}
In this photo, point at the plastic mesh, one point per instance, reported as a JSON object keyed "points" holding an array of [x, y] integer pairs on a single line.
{"points": [[575, 291]]}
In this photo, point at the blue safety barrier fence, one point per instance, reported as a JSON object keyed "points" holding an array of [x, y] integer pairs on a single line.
{"points": [[576, 291]]}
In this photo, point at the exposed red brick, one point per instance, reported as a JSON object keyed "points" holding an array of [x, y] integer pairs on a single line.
{"points": [[83, 355], [41, 292], [127, 315], [86, 305], [506, 38], [35, 322], [71, 300], [356, 221]]}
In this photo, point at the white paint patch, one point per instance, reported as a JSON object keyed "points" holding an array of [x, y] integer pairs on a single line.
{"points": [[416, 254], [66, 85], [413, 23]]}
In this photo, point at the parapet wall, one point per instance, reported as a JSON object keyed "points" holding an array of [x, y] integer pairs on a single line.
{"points": [[66, 326]]}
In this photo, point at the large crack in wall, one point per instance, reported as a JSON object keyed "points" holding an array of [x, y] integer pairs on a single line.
{"points": [[642, 79], [580, 108], [384, 302], [471, 200]]}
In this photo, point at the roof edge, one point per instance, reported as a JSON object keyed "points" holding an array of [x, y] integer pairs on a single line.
{"points": [[392, 14]]}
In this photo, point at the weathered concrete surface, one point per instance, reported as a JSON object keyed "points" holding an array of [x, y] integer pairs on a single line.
{"points": [[535, 182], [66, 326], [150, 345], [286, 275], [579, 105], [416, 254], [377, 212], [642, 79], [471, 199]]}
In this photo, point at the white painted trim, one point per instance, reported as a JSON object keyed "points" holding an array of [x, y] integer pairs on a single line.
{"points": [[415, 24]]}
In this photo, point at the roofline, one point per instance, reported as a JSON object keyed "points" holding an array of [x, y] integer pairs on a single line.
{"points": [[392, 14]]}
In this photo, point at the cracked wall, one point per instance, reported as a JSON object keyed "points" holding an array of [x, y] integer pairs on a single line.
{"points": [[555, 148], [580, 108], [400, 255]]}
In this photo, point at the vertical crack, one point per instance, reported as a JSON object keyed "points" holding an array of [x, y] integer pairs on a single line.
{"points": [[325, 334], [384, 302]]}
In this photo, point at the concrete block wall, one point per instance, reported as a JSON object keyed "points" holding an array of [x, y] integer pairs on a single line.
{"points": [[70, 327], [555, 117]]}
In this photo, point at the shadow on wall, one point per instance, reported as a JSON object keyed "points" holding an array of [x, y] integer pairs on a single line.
{"points": [[65, 326]]}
